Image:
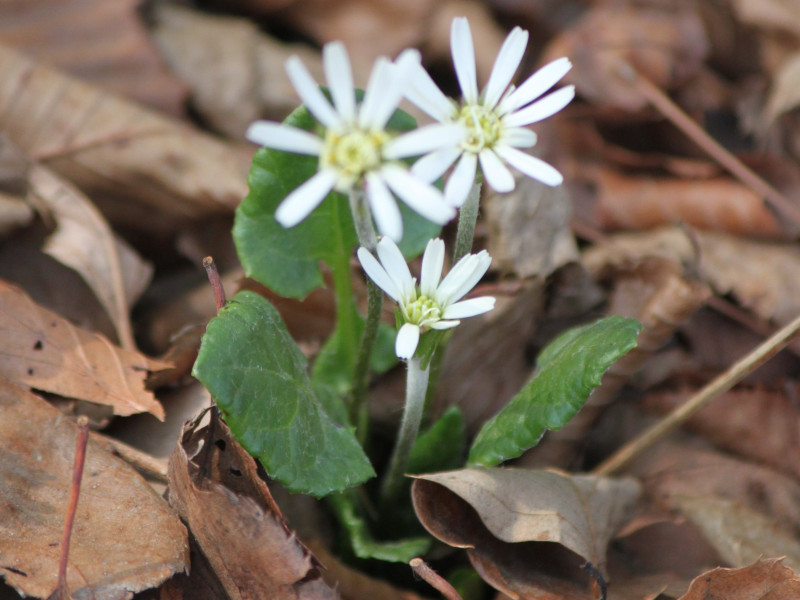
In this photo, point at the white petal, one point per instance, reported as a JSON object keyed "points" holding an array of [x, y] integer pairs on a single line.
{"points": [[495, 172], [531, 166], [518, 137], [432, 166], [396, 267], [461, 180], [536, 85], [427, 96], [377, 273], [304, 199], [283, 137], [379, 80], [406, 342], [464, 58], [385, 90], [469, 308], [384, 207], [339, 76], [463, 277], [420, 196], [541, 109], [309, 92], [432, 263], [444, 324], [423, 140], [505, 65]]}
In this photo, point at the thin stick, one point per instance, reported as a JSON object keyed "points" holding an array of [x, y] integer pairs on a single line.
{"points": [[61, 590], [719, 385], [708, 144], [216, 282], [421, 568]]}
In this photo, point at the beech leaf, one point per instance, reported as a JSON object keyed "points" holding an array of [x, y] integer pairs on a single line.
{"points": [[257, 376], [765, 579], [567, 371]]}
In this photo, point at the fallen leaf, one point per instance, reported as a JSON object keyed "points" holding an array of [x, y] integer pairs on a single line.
{"points": [[766, 579], [784, 95], [46, 352], [141, 167], [105, 43], [578, 512], [125, 539], [245, 541], [770, 14]]}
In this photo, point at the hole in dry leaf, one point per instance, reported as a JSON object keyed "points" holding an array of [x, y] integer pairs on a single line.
{"points": [[220, 444], [15, 570], [30, 371], [38, 345], [236, 472]]}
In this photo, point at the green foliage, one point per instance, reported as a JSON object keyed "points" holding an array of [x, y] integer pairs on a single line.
{"points": [[441, 447], [567, 372], [257, 376]]}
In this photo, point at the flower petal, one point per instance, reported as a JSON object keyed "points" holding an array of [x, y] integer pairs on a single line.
{"points": [[385, 90], [505, 65], [309, 92], [469, 308], [406, 342], [541, 109], [518, 137], [396, 267], [463, 277], [423, 140], [377, 273], [464, 58], [432, 263], [420, 196], [426, 95], [384, 207], [536, 85], [531, 166], [496, 173], [339, 76], [444, 324], [461, 180], [433, 165], [283, 137], [304, 199]]}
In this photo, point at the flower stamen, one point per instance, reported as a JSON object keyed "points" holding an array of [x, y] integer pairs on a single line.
{"points": [[483, 125], [352, 153]]}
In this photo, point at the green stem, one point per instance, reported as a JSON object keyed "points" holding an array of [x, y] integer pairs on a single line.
{"points": [[416, 388], [467, 217], [362, 219]]}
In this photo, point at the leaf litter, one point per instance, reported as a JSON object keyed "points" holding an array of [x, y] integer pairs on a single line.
{"points": [[725, 487]]}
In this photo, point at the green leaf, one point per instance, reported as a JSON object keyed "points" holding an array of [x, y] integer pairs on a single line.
{"points": [[364, 545], [567, 372], [441, 447], [383, 357], [257, 376]]}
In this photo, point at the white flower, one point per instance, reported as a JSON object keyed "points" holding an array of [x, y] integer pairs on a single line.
{"points": [[495, 120], [435, 303], [355, 149]]}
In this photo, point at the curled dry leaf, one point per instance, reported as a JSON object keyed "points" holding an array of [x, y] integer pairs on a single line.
{"points": [[495, 513], [44, 351], [125, 537], [104, 43], [765, 579], [148, 170], [239, 528]]}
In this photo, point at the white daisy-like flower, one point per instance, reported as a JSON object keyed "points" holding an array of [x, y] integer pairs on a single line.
{"points": [[355, 149], [495, 120], [436, 303]]}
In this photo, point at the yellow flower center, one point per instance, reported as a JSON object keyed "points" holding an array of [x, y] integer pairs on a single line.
{"points": [[483, 125], [422, 311], [352, 153]]}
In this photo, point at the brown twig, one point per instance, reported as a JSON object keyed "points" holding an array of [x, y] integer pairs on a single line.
{"points": [[693, 131], [421, 568], [216, 282], [62, 592], [719, 385]]}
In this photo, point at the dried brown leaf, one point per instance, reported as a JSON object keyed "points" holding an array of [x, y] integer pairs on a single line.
{"points": [[125, 538], [766, 579], [148, 170], [46, 352], [104, 43], [236, 523], [783, 15], [785, 93]]}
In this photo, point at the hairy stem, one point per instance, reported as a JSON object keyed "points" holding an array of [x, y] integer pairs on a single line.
{"points": [[467, 217]]}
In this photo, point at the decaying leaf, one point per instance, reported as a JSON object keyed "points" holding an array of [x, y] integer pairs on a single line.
{"points": [[497, 513], [239, 527], [125, 537], [765, 579], [139, 163], [44, 351]]}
